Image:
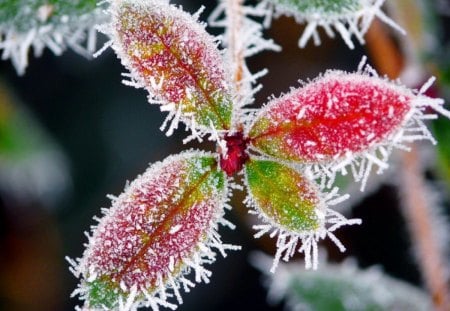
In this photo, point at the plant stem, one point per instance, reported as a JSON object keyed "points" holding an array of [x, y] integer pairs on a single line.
{"points": [[416, 207], [234, 15]]}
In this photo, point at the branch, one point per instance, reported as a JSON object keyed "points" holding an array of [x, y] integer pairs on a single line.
{"points": [[234, 15]]}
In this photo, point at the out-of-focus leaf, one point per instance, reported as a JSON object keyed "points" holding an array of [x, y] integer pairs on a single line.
{"points": [[342, 287], [55, 24], [442, 132], [323, 6], [346, 17]]}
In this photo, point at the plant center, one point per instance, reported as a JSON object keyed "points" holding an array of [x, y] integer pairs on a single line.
{"points": [[234, 159]]}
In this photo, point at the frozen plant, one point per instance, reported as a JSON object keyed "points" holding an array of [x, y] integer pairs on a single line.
{"points": [[39, 24], [160, 234]]}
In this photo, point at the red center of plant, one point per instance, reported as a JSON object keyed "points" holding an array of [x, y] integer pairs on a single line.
{"points": [[236, 156]]}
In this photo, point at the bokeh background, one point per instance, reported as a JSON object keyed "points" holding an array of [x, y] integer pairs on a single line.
{"points": [[76, 134]]}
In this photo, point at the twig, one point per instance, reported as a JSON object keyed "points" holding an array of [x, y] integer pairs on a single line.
{"points": [[234, 16]]}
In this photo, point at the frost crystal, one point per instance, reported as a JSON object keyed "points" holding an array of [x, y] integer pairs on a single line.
{"points": [[162, 228], [38, 24], [347, 17]]}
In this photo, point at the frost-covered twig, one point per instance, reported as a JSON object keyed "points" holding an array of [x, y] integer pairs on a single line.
{"points": [[243, 38]]}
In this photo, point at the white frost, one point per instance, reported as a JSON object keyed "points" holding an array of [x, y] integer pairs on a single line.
{"points": [[347, 23], [75, 32]]}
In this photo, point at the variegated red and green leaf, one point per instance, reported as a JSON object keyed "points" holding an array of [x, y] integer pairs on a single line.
{"points": [[288, 199], [330, 117], [162, 220], [176, 60]]}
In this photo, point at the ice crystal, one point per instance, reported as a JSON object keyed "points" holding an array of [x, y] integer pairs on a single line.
{"points": [[162, 227], [347, 17], [38, 24]]}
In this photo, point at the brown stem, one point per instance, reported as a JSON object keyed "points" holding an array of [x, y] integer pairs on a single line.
{"points": [[417, 209], [235, 15]]}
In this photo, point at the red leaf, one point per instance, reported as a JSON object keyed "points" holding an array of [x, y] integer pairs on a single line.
{"points": [[162, 222], [330, 117]]}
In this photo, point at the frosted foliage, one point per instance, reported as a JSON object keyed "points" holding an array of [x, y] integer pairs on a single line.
{"points": [[169, 53], [342, 287], [348, 18], [317, 226], [334, 115], [159, 234], [38, 25], [343, 122], [156, 232]]}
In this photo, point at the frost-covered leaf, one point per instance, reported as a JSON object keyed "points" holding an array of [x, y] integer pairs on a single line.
{"points": [[292, 206], [340, 117], [55, 24], [333, 115], [284, 196], [347, 17], [170, 54], [323, 7], [157, 231], [342, 287]]}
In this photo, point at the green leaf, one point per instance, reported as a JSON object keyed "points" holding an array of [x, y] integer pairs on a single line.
{"points": [[283, 195], [24, 14]]}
